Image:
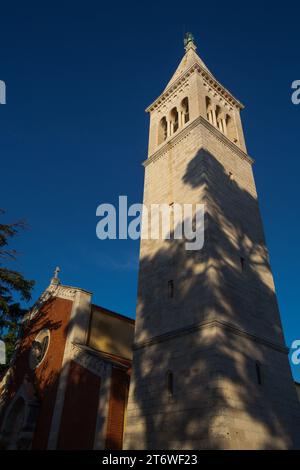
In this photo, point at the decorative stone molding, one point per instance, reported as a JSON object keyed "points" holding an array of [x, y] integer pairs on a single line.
{"points": [[208, 78], [63, 292], [96, 361], [225, 141], [214, 94], [185, 131], [171, 99], [54, 290], [91, 362], [199, 326]]}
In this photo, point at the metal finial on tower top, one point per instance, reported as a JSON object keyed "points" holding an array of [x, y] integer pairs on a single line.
{"points": [[189, 42], [55, 279]]}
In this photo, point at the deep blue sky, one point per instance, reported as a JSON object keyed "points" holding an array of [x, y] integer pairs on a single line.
{"points": [[73, 133]]}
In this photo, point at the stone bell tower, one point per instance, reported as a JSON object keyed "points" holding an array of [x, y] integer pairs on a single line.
{"points": [[210, 368]]}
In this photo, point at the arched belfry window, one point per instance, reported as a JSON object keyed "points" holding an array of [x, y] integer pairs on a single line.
{"points": [[162, 130], [209, 110], [185, 110], [231, 129], [174, 120], [219, 119]]}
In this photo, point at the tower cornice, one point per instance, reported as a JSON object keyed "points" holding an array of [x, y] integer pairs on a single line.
{"points": [[184, 133], [223, 325], [208, 77]]}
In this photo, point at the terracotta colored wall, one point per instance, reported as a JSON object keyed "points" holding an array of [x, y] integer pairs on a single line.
{"points": [[54, 315], [117, 403], [79, 417]]}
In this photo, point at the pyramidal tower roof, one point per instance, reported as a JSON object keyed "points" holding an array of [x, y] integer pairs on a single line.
{"points": [[191, 61], [190, 58]]}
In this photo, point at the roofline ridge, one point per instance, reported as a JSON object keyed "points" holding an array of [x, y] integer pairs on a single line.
{"points": [[204, 72]]}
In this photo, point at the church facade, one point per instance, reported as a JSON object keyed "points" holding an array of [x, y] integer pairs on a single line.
{"points": [[67, 387], [210, 365]]}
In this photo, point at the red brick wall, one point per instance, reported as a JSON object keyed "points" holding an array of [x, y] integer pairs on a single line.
{"points": [[116, 413], [79, 417], [55, 316]]}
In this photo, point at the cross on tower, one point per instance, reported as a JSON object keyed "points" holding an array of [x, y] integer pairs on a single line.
{"points": [[56, 271], [55, 279]]}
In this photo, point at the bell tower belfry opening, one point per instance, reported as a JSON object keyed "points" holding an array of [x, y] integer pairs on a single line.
{"points": [[210, 365]]}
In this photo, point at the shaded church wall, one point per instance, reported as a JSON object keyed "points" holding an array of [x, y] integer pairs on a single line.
{"points": [[79, 416], [117, 407], [53, 315]]}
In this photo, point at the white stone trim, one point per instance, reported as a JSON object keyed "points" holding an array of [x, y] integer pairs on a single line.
{"points": [[85, 359], [61, 389], [103, 409], [210, 324], [52, 291]]}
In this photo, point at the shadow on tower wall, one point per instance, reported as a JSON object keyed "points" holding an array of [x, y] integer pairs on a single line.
{"points": [[219, 339]]}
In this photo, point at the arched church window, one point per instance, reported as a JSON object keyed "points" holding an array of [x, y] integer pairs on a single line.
{"points": [[39, 348], [174, 120], [162, 130], [14, 424], [185, 110]]}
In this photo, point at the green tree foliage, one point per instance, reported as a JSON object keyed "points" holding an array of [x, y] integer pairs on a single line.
{"points": [[12, 285]]}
